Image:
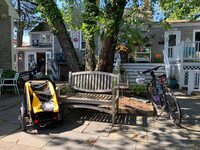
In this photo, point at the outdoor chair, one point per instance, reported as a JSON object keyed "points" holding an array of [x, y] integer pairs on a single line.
{"points": [[9, 82]]}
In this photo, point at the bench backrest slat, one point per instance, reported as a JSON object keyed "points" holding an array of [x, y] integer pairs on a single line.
{"points": [[93, 81]]}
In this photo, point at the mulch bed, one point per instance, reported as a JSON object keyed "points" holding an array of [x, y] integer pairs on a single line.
{"points": [[132, 105]]}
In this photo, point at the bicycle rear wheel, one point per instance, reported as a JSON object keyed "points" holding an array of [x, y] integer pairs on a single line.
{"points": [[173, 108]]}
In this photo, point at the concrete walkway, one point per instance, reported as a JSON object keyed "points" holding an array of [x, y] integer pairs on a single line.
{"points": [[91, 130]]}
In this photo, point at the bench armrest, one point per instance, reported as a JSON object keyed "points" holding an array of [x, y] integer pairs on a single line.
{"points": [[115, 93], [59, 87]]}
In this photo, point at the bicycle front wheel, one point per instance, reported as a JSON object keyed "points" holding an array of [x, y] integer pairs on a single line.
{"points": [[173, 108]]}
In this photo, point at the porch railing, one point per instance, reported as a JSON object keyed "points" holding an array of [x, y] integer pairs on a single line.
{"points": [[191, 50], [186, 51], [193, 81]]}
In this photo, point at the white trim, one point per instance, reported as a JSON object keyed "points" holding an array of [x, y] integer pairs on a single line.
{"points": [[46, 60], [172, 53], [53, 46], [178, 24], [39, 32], [80, 47], [178, 37], [12, 47], [26, 59], [194, 31]]}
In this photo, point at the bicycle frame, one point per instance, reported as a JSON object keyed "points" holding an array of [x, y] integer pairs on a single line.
{"points": [[160, 95]]}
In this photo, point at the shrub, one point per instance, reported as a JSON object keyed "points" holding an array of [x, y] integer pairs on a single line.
{"points": [[67, 90], [8, 73], [139, 90]]}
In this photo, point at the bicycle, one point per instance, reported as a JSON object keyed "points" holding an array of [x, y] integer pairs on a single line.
{"points": [[160, 95]]}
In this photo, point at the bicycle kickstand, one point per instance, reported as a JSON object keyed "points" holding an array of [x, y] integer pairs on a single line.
{"points": [[160, 114]]}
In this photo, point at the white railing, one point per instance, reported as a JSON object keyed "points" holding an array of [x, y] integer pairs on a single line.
{"points": [[191, 50], [187, 51], [173, 53], [180, 60], [193, 81]]}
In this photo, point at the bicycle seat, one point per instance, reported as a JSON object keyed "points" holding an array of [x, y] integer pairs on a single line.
{"points": [[162, 76]]}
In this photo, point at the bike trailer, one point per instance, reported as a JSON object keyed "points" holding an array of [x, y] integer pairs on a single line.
{"points": [[40, 105]]}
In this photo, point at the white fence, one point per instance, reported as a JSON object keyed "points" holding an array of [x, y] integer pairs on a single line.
{"points": [[193, 81], [185, 64]]}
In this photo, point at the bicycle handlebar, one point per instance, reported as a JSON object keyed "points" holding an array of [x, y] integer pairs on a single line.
{"points": [[149, 70]]}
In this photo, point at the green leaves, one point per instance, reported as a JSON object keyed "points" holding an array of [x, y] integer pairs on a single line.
{"points": [[180, 9], [138, 89]]}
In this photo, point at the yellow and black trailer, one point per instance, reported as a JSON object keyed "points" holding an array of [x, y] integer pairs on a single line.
{"points": [[40, 105]]}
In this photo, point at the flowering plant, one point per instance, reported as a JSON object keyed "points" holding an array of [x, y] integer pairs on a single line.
{"points": [[122, 48], [158, 58]]}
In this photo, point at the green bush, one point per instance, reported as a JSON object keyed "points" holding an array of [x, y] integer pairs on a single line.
{"points": [[139, 90], [67, 90], [8, 73]]}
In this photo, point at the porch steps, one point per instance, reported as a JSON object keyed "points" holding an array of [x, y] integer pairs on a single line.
{"points": [[131, 69]]}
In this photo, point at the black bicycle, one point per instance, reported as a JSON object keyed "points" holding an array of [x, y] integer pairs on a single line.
{"points": [[160, 95]]}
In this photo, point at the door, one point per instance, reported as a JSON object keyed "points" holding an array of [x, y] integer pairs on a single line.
{"points": [[196, 38], [30, 61], [172, 38]]}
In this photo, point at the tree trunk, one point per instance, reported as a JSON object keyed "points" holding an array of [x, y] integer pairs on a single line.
{"points": [[91, 11], [90, 55], [106, 57], [55, 20], [67, 47], [20, 30], [20, 33]]}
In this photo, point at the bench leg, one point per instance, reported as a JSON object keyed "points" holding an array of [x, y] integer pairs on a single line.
{"points": [[113, 119]]}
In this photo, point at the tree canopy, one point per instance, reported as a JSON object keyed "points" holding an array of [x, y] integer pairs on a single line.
{"points": [[180, 9], [109, 20]]}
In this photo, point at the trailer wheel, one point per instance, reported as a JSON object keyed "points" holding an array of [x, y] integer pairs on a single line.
{"points": [[22, 117]]}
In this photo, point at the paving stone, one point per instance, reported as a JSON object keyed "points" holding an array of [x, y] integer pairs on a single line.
{"points": [[35, 140], [162, 146], [68, 125], [167, 138], [194, 135], [98, 128], [135, 133], [93, 130], [71, 141], [6, 145], [11, 115], [7, 128], [107, 143], [14, 146]]}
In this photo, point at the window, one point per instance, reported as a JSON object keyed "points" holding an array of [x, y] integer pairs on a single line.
{"points": [[45, 38], [172, 40], [197, 36]]}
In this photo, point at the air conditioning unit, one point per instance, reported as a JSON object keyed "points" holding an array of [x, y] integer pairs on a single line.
{"points": [[35, 43]]}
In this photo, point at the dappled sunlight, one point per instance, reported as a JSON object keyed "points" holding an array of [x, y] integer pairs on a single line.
{"points": [[89, 129]]}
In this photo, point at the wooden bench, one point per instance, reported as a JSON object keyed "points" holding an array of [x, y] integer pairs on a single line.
{"points": [[93, 90]]}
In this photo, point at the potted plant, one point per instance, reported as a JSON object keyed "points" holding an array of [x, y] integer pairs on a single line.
{"points": [[123, 51], [172, 81], [158, 58], [122, 70]]}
